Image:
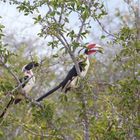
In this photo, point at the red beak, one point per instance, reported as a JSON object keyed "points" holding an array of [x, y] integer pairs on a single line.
{"points": [[90, 47]]}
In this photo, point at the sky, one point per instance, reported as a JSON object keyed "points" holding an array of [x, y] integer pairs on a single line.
{"points": [[23, 26], [15, 21]]}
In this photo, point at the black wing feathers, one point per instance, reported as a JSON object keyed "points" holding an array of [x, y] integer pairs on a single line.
{"points": [[72, 73], [7, 106], [31, 65], [48, 93]]}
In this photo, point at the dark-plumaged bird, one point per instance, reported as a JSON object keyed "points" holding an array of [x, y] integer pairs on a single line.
{"points": [[28, 83], [72, 77]]}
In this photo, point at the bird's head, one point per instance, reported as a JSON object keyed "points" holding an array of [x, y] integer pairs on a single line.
{"points": [[93, 48], [27, 68]]}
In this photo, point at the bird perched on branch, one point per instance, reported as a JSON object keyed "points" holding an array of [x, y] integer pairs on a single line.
{"points": [[27, 83], [72, 77]]}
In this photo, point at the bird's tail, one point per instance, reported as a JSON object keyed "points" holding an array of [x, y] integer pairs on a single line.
{"points": [[5, 109], [48, 93]]}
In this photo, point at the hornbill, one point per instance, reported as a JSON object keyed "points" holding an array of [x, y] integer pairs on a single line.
{"points": [[72, 77], [27, 83]]}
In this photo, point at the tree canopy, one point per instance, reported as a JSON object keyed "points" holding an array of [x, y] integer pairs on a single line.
{"points": [[105, 106]]}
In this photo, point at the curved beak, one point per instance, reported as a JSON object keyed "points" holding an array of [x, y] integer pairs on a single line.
{"points": [[93, 48], [99, 49]]}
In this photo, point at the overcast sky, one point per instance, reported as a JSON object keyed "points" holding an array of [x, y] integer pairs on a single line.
{"points": [[24, 29], [15, 21]]}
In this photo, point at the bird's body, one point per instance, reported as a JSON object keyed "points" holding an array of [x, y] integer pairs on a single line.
{"points": [[84, 72], [28, 87], [28, 81], [72, 78]]}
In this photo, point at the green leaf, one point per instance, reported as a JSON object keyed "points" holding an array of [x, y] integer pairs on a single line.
{"points": [[55, 56], [63, 98], [2, 26], [1, 133], [103, 37], [52, 13], [85, 14]]}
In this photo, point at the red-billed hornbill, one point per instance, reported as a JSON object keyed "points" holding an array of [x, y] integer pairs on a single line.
{"points": [[27, 83], [72, 77]]}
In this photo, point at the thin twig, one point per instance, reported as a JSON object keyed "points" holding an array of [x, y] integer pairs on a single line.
{"points": [[10, 71], [103, 28], [36, 134], [60, 17], [80, 31], [20, 85], [32, 101]]}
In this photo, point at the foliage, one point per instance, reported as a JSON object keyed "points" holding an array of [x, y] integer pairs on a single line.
{"points": [[104, 106], [56, 21]]}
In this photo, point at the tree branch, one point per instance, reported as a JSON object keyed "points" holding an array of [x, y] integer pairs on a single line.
{"points": [[65, 43], [32, 101], [70, 53], [10, 71], [103, 28], [40, 135], [80, 31], [60, 17], [20, 85]]}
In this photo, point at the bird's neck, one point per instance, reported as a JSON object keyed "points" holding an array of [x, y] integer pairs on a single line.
{"points": [[84, 65], [85, 58]]}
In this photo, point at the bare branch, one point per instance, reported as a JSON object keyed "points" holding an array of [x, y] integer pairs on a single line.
{"points": [[136, 11], [24, 94], [32, 101], [80, 31], [20, 85], [41, 135], [10, 71], [65, 43], [70, 53], [60, 17], [103, 28]]}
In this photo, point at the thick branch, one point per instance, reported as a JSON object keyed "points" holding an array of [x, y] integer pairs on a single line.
{"points": [[70, 53], [68, 48]]}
